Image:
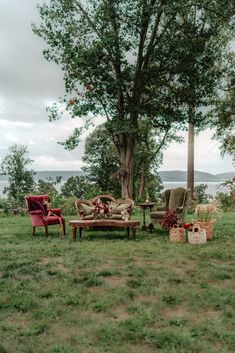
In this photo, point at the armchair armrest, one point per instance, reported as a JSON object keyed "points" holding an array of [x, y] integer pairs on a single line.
{"points": [[179, 209], [160, 208]]}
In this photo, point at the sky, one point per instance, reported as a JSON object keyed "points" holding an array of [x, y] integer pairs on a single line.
{"points": [[28, 84]]}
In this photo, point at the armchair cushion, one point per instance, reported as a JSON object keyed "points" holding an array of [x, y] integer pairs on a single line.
{"points": [[85, 208], [176, 198], [118, 208], [38, 206]]}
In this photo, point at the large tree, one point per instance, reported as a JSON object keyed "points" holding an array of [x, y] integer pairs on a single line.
{"points": [[101, 160], [120, 59], [20, 178]]}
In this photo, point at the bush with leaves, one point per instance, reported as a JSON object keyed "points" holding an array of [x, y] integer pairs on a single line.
{"points": [[20, 178], [227, 198], [202, 196], [76, 186]]}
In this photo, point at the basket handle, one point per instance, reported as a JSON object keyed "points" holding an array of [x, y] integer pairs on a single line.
{"points": [[196, 228]]}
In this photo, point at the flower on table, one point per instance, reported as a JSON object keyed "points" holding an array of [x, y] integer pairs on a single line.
{"points": [[101, 209]]}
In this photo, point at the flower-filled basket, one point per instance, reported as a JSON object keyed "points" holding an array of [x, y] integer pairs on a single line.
{"points": [[176, 228], [205, 214], [197, 235], [177, 234]]}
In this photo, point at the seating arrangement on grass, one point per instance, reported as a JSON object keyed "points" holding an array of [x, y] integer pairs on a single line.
{"points": [[117, 207], [176, 200], [42, 215]]}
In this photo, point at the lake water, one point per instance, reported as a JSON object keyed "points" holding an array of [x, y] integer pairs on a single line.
{"points": [[212, 187]]}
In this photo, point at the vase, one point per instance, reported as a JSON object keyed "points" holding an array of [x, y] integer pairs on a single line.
{"points": [[177, 235], [209, 228]]}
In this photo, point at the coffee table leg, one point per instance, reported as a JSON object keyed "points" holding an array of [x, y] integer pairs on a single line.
{"points": [[144, 224], [74, 230], [133, 233]]}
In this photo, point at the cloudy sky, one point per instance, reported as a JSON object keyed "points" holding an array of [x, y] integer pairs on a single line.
{"points": [[28, 84]]}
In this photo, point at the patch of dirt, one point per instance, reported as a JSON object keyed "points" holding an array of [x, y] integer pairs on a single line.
{"points": [[24, 277], [59, 332], [197, 317], [48, 260], [146, 298], [120, 313], [115, 281], [19, 320], [173, 313], [99, 291], [62, 268], [104, 266]]}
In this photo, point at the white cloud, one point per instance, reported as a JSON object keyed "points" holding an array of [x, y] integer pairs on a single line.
{"points": [[206, 155], [11, 138], [50, 163]]}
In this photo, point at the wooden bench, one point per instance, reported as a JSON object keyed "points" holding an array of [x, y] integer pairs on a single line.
{"points": [[103, 223]]}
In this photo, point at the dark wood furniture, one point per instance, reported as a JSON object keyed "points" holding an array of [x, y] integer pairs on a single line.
{"points": [[103, 223], [144, 206]]}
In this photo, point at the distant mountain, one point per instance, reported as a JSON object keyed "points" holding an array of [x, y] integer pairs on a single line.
{"points": [[171, 175], [54, 173], [51, 174], [179, 175]]}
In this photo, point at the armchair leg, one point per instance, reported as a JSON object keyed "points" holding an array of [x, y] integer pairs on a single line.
{"points": [[46, 231], [33, 232]]}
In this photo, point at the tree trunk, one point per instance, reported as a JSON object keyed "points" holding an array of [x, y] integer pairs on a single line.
{"points": [[190, 172], [126, 171], [142, 180]]}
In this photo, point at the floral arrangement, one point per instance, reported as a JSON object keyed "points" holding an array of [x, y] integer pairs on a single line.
{"points": [[171, 221], [206, 212], [101, 210]]}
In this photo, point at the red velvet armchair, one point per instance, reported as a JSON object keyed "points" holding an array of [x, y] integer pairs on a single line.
{"points": [[41, 216]]}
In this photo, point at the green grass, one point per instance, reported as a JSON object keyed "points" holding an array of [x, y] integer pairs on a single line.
{"points": [[110, 294]]}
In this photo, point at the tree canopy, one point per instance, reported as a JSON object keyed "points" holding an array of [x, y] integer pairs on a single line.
{"points": [[129, 60]]}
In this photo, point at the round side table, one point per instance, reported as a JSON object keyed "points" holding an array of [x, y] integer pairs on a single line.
{"points": [[144, 206]]}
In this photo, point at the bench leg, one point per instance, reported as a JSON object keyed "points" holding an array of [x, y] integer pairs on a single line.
{"points": [[133, 233], [128, 232], [74, 230], [80, 232]]}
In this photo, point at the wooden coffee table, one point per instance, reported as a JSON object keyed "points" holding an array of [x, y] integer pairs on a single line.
{"points": [[103, 223]]}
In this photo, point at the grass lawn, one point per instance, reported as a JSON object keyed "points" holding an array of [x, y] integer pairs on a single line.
{"points": [[110, 294]]}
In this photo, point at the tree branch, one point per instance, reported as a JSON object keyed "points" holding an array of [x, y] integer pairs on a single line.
{"points": [[143, 33], [153, 35], [117, 62], [92, 24]]}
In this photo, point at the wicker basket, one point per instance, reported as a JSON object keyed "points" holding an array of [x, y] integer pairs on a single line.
{"points": [[209, 228], [177, 235], [197, 235]]}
